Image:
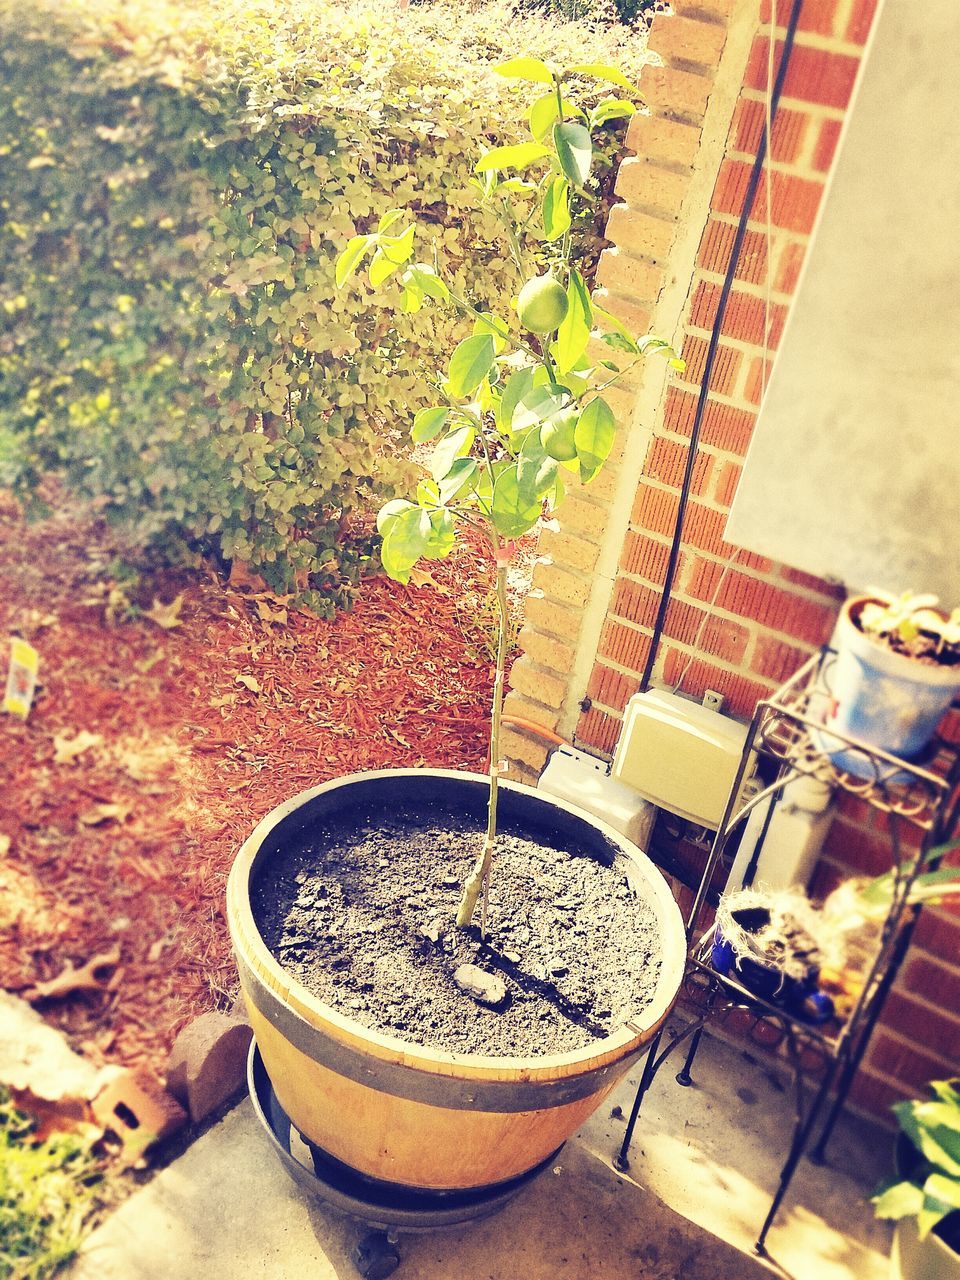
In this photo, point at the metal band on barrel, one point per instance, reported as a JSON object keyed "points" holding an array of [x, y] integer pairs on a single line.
{"points": [[401, 1080]]}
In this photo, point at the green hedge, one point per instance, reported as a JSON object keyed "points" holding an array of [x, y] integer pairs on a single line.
{"points": [[176, 181]]}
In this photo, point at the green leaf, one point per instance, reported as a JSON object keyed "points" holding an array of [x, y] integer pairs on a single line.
{"points": [[556, 208], [536, 471], [901, 1200], [486, 322], [538, 405], [349, 260], [518, 156], [398, 248], [512, 515], [619, 342], [574, 332], [602, 71], [405, 541], [610, 109], [442, 535], [518, 385], [470, 363], [381, 268], [574, 151], [943, 1189], [389, 219], [427, 424], [451, 447], [543, 115], [457, 478], [594, 438], [525, 69], [391, 511], [938, 1200], [617, 327]]}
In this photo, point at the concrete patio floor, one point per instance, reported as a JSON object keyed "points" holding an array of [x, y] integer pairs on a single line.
{"points": [[703, 1167]]}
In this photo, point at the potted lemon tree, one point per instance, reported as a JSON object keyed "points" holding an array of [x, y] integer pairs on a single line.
{"points": [[410, 1031]]}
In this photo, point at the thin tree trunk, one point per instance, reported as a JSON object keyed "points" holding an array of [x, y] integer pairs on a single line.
{"points": [[479, 877]]}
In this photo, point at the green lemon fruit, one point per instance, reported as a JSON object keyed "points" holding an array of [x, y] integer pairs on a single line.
{"points": [[557, 436], [542, 304]]}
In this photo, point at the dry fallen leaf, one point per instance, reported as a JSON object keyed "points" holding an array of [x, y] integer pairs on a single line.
{"points": [[422, 578], [99, 813], [147, 664], [67, 749], [270, 615], [249, 682], [96, 975], [166, 616], [228, 700]]}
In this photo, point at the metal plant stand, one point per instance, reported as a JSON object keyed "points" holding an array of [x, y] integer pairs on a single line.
{"points": [[922, 797]]}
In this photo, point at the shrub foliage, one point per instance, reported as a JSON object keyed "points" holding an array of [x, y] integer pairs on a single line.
{"points": [[176, 182]]}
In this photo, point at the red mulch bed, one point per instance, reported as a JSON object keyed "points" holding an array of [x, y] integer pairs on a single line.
{"points": [[193, 756]]}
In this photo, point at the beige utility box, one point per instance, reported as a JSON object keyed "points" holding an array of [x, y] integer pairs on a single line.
{"points": [[679, 755]]}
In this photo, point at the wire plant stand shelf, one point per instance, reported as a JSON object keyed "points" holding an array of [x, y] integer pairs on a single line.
{"points": [[790, 732]]}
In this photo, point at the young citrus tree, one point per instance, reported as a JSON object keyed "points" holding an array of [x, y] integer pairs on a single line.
{"points": [[520, 405]]}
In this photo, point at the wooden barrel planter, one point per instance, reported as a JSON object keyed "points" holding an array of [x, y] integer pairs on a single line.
{"points": [[406, 1114]]}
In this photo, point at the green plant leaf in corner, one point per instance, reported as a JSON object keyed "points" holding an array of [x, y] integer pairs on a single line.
{"points": [[594, 437], [556, 208], [455, 445], [525, 69], [543, 115], [349, 260], [898, 1200], [470, 363], [405, 538], [574, 332], [602, 71], [518, 156], [574, 151], [512, 515], [427, 424], [611, 109]]}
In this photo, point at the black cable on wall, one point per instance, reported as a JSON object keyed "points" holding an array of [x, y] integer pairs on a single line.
{"points": [[734, 261]]}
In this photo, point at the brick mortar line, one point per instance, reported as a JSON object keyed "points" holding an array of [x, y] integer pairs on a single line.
{"points": [[868, 1069], [689, 651], [759, 228], [619, 668], [816, 40], [596, 705], [759, 629], [676, 167], [820, 111], [756, 632], [951, 968], [790, 168], [727, 341], [777, 296], [940, 1009], [717, 397], [924, 1048]]}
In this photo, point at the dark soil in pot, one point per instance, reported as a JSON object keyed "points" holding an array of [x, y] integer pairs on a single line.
{"points": [[360, 909]]}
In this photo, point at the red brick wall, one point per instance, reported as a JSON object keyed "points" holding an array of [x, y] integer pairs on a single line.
{"points": [[767, 617]]}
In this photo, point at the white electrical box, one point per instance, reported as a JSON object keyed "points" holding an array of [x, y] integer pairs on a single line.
{"points": [[679, 755], [583, 780]]}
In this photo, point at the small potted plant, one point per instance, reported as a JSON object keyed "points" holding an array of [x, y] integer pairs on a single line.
{"points": [[380, 1063], [897, 670], [924, 1196]]}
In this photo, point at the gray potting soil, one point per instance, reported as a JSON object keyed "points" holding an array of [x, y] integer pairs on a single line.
{"points": [[364, 917]]}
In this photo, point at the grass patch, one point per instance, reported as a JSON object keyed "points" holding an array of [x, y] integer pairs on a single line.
{"points": [[46, 1195]]}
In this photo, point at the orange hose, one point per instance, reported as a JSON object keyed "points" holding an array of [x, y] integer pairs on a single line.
{"points": [[532, 727]]}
